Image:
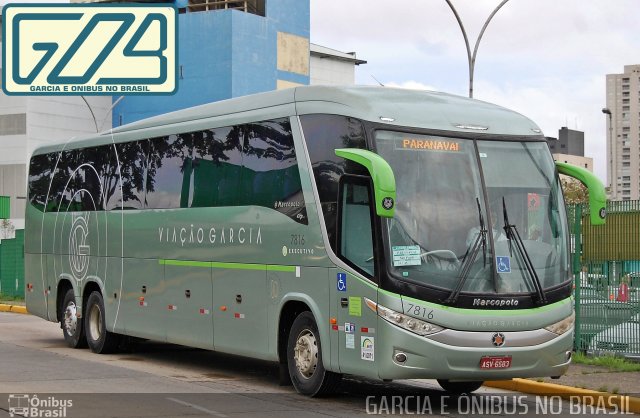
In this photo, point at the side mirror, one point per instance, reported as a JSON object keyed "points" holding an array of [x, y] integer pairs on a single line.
{"points": [[597, 195], [384, 182]]}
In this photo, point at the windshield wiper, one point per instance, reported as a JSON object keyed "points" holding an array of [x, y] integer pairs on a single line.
{"points": [[480, 241], [513, 235]]}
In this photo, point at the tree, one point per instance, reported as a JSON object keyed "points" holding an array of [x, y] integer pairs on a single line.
{"points": [[574, 191]]}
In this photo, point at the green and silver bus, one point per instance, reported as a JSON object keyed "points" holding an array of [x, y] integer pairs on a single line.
{"points": [[377, 232]]}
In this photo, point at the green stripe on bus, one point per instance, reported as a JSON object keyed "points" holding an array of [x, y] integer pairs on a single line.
{"points": [[184, 263], [231, 266], [288, 269]]}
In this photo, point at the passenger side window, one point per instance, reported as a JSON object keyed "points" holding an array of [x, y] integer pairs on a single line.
{"points": [[40, 170], [270, 177], [133, 160], [168, 174], [217, 167], [323, 134]]}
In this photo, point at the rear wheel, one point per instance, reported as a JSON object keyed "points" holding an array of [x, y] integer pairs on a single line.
{"points": [[460, 387], [71, 324], [99, 339], [304, 359]]}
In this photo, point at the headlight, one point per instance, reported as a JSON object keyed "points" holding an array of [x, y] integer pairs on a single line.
{"points": [[563, 326], [409, 323]]}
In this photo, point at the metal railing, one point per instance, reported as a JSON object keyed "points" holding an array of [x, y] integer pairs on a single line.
{"points": [[607, 279]]}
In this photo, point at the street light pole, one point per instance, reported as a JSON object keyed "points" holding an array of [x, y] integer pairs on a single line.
{"points": [[93, 116], [607, 112], [471, 58]]}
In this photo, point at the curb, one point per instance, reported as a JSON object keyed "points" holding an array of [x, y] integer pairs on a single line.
{"points": [[621, 403], [13, 308]]}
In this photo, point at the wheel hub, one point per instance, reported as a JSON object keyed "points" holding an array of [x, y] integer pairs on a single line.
{"points": [[95, 322], [71, 318], [306, 353]]}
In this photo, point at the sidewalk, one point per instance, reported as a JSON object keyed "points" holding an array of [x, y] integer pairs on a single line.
{"points": [[595, 385], [15, 306]]}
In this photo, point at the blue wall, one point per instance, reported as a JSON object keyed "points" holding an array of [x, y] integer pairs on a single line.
{"points": [[224, 54]]}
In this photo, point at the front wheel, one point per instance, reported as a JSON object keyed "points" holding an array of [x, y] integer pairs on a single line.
{"points": [[460, 387], [304, 359], [99, 339], [71, 324]]}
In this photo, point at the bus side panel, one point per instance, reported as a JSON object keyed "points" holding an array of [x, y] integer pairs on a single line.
{"points": [[52, 280], [189, 299], [240, 310], [142, 306], [307, 281], [357, 335], [310, 288], [35, 279], [113, 294]]}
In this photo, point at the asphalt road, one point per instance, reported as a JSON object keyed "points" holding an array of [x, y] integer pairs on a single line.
{"points": [[38, 370]]}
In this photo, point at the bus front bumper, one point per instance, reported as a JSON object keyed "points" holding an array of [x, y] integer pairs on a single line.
{"points": [[429, 359]]}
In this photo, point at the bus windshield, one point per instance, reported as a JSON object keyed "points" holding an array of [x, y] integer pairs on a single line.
{"points": [[474, 216]]}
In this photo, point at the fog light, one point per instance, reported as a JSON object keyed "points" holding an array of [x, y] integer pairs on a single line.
{"points": [[400, 357]]}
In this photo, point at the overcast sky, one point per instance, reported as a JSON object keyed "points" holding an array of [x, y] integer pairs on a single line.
{"points": [[546, 59]]}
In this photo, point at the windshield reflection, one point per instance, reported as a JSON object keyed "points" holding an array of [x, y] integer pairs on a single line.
{"points": [[436, 239]]}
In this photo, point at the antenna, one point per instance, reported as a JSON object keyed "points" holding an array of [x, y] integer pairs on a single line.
{"points": [[377, 81]]}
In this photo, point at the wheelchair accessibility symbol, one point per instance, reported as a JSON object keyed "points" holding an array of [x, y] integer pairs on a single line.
{"points": [[341, 283], [503, 264]]}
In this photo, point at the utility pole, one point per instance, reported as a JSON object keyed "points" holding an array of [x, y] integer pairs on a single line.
{"points": [[471, 58]]}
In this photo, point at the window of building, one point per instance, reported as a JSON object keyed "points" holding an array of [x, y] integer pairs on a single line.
{"points": [[13, 124], [626, 164], [256, 7]]}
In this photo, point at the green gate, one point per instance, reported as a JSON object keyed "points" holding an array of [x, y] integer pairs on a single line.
{"points": [[12, 265], [606, 265]]}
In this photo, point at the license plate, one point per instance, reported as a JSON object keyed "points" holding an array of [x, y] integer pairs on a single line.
{"points": [[495, 362]]}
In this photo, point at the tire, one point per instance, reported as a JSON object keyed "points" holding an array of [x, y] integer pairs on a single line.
{"points": [[309, 377], [72, 326], [99, 339], [460, 387]]}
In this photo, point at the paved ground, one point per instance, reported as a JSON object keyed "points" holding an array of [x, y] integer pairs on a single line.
{"points": [[162, 380], [600, 379]]}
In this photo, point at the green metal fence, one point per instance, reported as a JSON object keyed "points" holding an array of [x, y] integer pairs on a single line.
{"points": [[12, 265], [606, 265]]}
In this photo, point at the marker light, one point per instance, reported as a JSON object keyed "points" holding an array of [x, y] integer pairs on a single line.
{"points": [[409, 323], [563, 326]]}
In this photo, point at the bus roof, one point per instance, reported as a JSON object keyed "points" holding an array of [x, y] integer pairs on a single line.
{"points": [[391, 106]]}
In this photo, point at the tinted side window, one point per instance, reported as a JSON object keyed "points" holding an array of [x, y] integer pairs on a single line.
{"points": [[323, 134], [132, 157], [270, 177], [216, 167], [40, 170], [168, 174], [62, 197]]}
